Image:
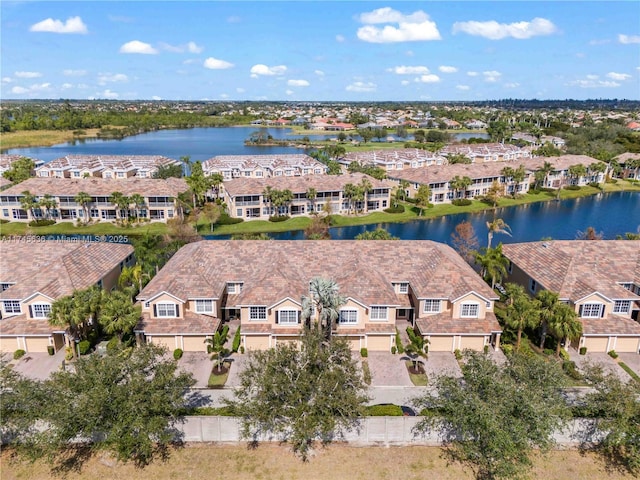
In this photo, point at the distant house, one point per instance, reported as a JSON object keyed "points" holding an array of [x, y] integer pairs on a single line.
{"points": [[31, 279], [263, 166], [6, 160], [395, 159], [114, 167], [386, 283], [599, 279], [630, 163]]}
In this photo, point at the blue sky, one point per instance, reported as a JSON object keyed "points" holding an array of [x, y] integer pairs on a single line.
{"points": [[322, 50]]}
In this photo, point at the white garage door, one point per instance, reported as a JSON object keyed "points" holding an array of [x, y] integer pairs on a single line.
{"points": [[168, 342], [8, 344], [596, 344], [37, 344], [378, 343], [627, 345], [194, 344], [441, 343], [473, 343]]}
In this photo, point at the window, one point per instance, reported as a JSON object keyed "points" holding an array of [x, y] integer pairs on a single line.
{"points": [[5, 286], [257, 313], [348, 316], [258, 173], [621, 306], [532, 285], [469, 310], [378, 313], [431, 306], [403, 288], [204, 306], [288, 317], [40, 310], [591, 310], [5, 212], [238, 212], [166, 310], [12, 306]]}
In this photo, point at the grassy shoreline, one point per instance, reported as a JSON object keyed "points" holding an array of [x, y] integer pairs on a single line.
{"points": [[300, 223]]}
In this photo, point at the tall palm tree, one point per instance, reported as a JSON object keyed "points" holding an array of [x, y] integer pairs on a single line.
{"points": [[549, 302], [322, 305], [497, 225], [117, 199], [138, 202], [521, 311], [133, 276], [216, 180], [47, 202], [118, 316], [564, 325], [311, 195], [62, 316], [83, 199], [404, 185], [460, 185], [494, 264], [28, 202]]}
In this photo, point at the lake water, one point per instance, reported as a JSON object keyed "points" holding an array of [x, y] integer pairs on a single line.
{"points": [[612, 214], [197, 143]]}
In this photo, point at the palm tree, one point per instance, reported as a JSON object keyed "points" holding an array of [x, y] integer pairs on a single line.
{"points": [[62, 316], [417, 346], [28, 202], [322, 305], [459, 185], [549, 302], [422, 198], [494, 264], [216, 345], [118, 199], [83, 199], [47, 202], [118, 316], [350, 192], [542, 173], [564, 325], [216, 180], [521, 311], [404, 185], [311, 195], [497, 225], [132, 276], [138, 202]]}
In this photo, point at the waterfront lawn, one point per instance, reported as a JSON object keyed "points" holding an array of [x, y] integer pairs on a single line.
{"points": [[70, 228], [42, 138]]}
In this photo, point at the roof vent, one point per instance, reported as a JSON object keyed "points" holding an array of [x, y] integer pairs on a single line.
{"points": [[545, 245]]}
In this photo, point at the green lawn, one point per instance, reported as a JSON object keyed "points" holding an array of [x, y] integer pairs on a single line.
{"points": [[70, 228], [419, 380], [218, 380]]}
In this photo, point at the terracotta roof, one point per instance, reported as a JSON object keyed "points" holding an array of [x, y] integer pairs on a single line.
{"points": [[192, 323], [251, 162], [94, 186], [6, 159], [403, 155], [19, 325], [101, 162], [55, 268], [273, 270], [612, 325], [322, 183], [577, 268], [442, 323]]}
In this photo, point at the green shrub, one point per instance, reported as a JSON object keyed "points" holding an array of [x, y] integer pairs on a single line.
{"points": [[51, 350], [112, 345], [364, 352], [399, 346], [366, 373], [18, 354], [2, 220], [396, 209], [458, 354], [570, 369], [177, 353], [393, 350], [383, 411], [486, 349], [548, 352], [84, 346], [572, 187], [612, 354], [564, 355], [583, 350], [225, 219], [209, 349], [236, 340], [461, 202], [278, 218], [410, 200], [241, 348], [507, 348], [612, 180], [43, 222]]}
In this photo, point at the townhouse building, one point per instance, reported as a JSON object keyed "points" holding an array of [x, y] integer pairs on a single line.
{"points": [[386, 283], [246, 197], [6, 160], [486, 152], [116, 167], [263, 166], [393, 160], [33, 275], [600, 279], [630, 165], [158, 199]]}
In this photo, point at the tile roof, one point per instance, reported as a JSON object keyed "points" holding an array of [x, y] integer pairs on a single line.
{"points": [[443, 323], [94, 186], [19, 325], [404, 155], [55, 268], [270, 162], [612, 325], [577, 268], [322, 183], [272, 270], [6, 159], [101, 162], [191, 323]]}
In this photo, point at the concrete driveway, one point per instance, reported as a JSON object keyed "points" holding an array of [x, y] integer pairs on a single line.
{"points": [[608, 364], [632, 360], [388, 370], [238, 361], [442, 363], [38, 365], [199, 364]]}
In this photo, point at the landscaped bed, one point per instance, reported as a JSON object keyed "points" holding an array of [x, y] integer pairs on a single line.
{"points": [[219, 375]]}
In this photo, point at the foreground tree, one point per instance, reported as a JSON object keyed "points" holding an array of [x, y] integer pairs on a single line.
{"points": [[377, 234], [301, 395], [491, 422], [564, 325], [465, 241], [19, 170], [127, 403], [521, 311], [118, 316], [423, 195], [322, 306], [497, 225], [493, 264], [615, 407]]}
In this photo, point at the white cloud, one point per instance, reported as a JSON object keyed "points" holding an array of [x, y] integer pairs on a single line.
{"points": [[171, 48], [512, 85], [618, 76], [411, 28], [409, 70], [108, 94], [66, 86], [105, 78], [6, 80], [189, 61], [361, 87], [491, 76], [405, 82], [463, 87], [74, 73], [260, 69], [27, 74], [224, 95], [340, 38], [297, 83], [627, 39], [72, 25], [19, 90], [240, 90], [592, 83], [192, 47], [599, 42], [447, 69], [497, 31], [155, 97], [431, 78], [289, 92], [136, 46], [216, 64], [320, 73], [473, 74], [592, 77], [36, 88]]}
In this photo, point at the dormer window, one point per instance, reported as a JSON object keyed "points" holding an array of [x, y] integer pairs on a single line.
{"points": [[166, 310], [431, 306], [234, 288], [204, 306], [621, 306], [592, 310], [403, 287], [40, 310], [469, 310]]}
